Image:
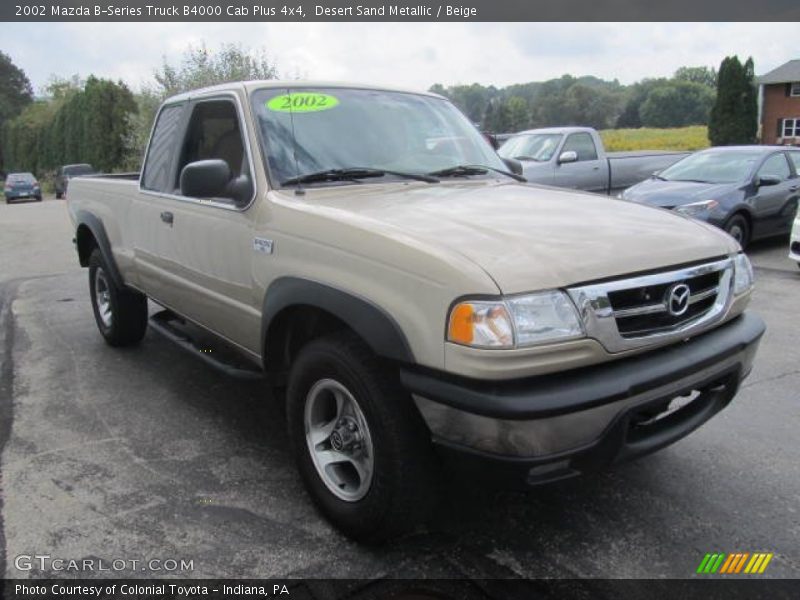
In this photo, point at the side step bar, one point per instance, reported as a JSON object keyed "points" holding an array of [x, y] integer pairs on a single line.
{"points": [[208, 348]]}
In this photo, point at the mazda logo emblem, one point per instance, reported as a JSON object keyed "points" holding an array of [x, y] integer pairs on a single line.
{"points": [[677, 299]]}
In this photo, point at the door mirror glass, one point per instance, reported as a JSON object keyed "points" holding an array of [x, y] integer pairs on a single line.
{"points": [[766, 180], [513, 165], [205, 178], [569, 156]]}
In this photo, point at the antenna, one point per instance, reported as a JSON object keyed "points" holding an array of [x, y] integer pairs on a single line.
{"points": [[298, 191]]}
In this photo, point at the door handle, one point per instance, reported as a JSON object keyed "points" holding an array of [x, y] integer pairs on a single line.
{"points": [[793, 188], [167, 217]]}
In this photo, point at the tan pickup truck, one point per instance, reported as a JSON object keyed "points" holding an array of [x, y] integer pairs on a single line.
{"points": [[420, 309]]}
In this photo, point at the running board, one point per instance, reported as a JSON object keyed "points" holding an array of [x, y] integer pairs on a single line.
{"points": [[205, 346]]}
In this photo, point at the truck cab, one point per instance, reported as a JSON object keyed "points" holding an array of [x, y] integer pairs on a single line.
{"points": [[575, 157]]}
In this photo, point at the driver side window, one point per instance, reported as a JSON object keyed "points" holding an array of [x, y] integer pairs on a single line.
{"points": [[775, 166], [582, 144], [214, 132]]}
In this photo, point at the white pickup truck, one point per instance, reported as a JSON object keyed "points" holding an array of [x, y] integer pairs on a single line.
{"points": [[419, 309], [574, 157]]}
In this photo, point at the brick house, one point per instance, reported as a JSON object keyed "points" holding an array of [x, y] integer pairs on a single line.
{"points": [[779, 105]]}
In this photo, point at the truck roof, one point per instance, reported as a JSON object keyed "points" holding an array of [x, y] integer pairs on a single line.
{"points": [[565, 129], [249, 86]]}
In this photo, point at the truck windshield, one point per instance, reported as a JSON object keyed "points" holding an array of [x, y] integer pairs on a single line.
{"points": [[347, 132], [535, 146], [728, 166]]}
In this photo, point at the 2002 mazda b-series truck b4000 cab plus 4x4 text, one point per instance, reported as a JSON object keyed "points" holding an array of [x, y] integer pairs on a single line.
{"points": [[417, 306]]}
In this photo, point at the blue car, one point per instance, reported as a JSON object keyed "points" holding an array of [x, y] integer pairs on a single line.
{"points": [[749, 191], [22, 186]]}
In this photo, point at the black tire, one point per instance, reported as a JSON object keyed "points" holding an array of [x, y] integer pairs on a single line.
{"points": [[127, 308], [38, 198], [403, 488], [59, 195], [739, 229]]}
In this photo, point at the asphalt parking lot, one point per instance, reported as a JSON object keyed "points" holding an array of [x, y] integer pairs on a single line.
{"points": [[148, 454]]}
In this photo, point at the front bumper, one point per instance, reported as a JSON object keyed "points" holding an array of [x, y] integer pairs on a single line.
{"points": [[555, 426]]}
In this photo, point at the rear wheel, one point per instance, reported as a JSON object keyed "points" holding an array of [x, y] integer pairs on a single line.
{"points": [[739, 229], [120, 313], [361, 447], [59, 195]]}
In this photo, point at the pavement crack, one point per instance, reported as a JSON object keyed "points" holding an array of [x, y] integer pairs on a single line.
{"points": [[773, 378]]}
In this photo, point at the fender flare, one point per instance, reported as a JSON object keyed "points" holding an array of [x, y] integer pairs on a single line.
{"points": [[95, 225], [374, 325]]}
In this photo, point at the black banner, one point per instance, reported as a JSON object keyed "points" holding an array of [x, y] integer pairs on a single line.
{"points": [[397, 589], [414, 10]]}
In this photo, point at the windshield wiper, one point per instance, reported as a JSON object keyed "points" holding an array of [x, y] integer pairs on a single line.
{"points": [[465, 170], [354, 174], [693, 180]]}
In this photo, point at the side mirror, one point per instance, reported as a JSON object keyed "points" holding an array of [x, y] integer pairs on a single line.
{"points": [[513, 165], [205, 178], [766, 180], [570, 156]]}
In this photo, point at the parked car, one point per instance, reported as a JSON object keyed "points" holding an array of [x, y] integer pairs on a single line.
{"points": [[67, 172], [794, 240], [22, 186], [416, 307], [574, 157], [749, 191]]}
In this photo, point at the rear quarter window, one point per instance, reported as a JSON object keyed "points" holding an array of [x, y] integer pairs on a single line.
{"points": [[161, 152]]}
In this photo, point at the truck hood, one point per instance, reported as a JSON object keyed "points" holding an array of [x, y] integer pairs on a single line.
{"points": [[676, 193], [527, 237]]}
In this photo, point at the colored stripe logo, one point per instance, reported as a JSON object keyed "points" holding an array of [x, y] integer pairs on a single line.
{"points": [[731, 564]]}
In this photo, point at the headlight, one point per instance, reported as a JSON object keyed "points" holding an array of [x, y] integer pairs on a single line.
{"points": [[481, 324], [742, 274], [696, 209], [515, 322]]}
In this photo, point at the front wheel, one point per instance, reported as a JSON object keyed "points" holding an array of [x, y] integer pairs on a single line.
{"points": [[739, 229], [120, 313], [361, 447]]}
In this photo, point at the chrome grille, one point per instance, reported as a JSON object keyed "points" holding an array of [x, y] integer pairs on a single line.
{"points": [[634, 312], [645, 310]]}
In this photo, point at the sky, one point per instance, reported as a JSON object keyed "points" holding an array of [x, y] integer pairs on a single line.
{"points": [[411, 55]]}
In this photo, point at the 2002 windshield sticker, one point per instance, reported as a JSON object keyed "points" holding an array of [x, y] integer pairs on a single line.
{"points": [[302, 102]]}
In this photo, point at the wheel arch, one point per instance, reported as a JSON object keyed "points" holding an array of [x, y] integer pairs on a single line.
{"points": [[90, 233], [296, 310]]}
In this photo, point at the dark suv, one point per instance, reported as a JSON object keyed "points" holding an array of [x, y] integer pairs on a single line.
{"points": [[65, 173]]}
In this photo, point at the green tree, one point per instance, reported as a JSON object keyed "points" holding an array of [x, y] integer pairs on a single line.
{"points": [[89, 124], [677, 104], [518, 113], [733, 116], [704, 75], [200, 67], [636, 96], [15, 94], [15, 89]]}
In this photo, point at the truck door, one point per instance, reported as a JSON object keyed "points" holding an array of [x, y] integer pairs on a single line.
{"points": [[213, 238], [774, 206], [153, 236], [578, 165]]}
